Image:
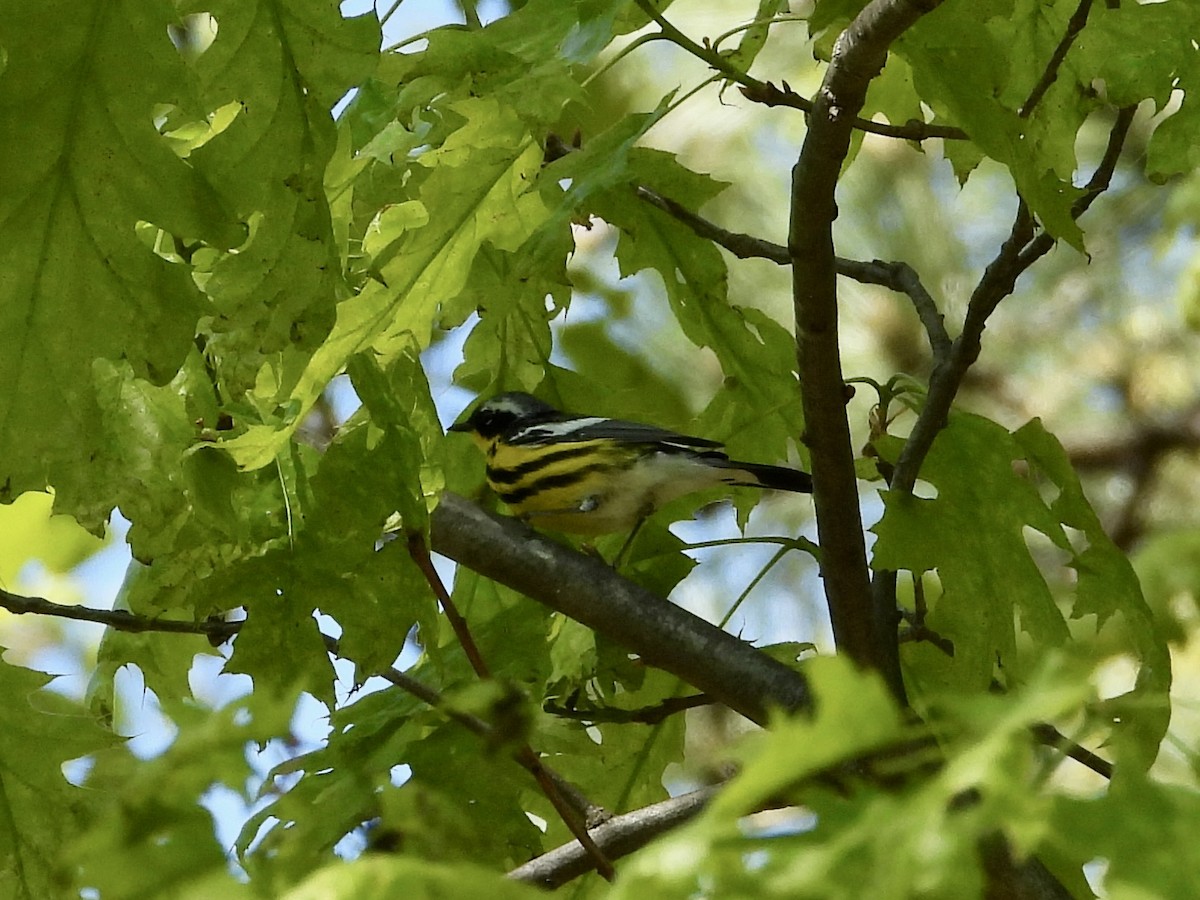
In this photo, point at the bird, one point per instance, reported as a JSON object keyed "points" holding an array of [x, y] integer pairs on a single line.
{"points": [[592, 475]]}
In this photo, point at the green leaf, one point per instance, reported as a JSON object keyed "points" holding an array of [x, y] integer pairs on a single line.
{"points": [[380, 878], [282, 627], [150, 836], [164, 661], [480, 183], [489, 790], [755, 37], [400, 404], [919, 836], [1150, 855], [509, 349], [633, 17], [39, 809], [333, 789], [1138, 50], [978, 78], [376, 594], [33, 532], [1107, 586], [757, 413], [855, 713], [973, 536], [281, 66], [68, 230]]}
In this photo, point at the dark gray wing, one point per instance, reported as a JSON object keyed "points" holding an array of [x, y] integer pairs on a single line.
{"points": [[591, 428]]}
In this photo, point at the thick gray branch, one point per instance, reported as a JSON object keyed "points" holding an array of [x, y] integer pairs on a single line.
{"points": [[618, 837], [726, 668]]}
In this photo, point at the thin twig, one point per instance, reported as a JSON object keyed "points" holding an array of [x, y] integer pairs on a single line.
{"points": [[420, 555], [743, 246], [572, 816], [1047, 734], [903, 278], [646, 715], [1074, 26], [897, 276], [767, 94], [117, 619], [714, 59]]}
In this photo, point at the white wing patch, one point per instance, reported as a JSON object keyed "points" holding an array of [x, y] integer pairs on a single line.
{"points": [[552, 430]]}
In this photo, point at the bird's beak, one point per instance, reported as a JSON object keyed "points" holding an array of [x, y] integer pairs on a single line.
{"points": [[464, 425]]}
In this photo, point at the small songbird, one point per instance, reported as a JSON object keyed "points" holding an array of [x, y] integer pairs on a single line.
{"points": [[591, 475]]}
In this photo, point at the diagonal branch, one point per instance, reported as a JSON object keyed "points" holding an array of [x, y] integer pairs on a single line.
{"points": [[1074, 27], [1023, 247], [619, 836], [898, 276], [666, 636], [523, 753]]}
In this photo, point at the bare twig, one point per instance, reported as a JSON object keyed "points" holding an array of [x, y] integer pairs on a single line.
{"points": [[647, 715], [1047, 734], [618, 837], [714, 59], [1074, 27], [420, 555], [573, 816], [117, 619], [767, 94], [743, 246], [903, 278], [898, 276], [1024, 246]]}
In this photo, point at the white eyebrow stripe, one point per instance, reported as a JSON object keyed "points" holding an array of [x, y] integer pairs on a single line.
{"points": [[555, 429]]}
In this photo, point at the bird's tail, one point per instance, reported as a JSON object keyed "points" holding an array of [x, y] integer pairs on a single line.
{"points": [[777, 478]]}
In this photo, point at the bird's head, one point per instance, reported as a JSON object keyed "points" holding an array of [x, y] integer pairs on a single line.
{"points": [[502, 413]]}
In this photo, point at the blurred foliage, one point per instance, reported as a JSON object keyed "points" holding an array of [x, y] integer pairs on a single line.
{"points": [[194, 246]]}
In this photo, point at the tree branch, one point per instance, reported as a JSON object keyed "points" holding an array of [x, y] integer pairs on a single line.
{"points": [[721, 665], [619, 836], [117, 619], [647, 715], [767, 94], [897, 276], [866, 633], [1021, 250], [523, 752], [1074, 26]]}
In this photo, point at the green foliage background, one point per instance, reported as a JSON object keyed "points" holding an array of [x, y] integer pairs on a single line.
{"points": [[193, 248]]}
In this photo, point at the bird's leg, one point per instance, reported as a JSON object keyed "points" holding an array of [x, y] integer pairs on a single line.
{"points": [[625, 548]]}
